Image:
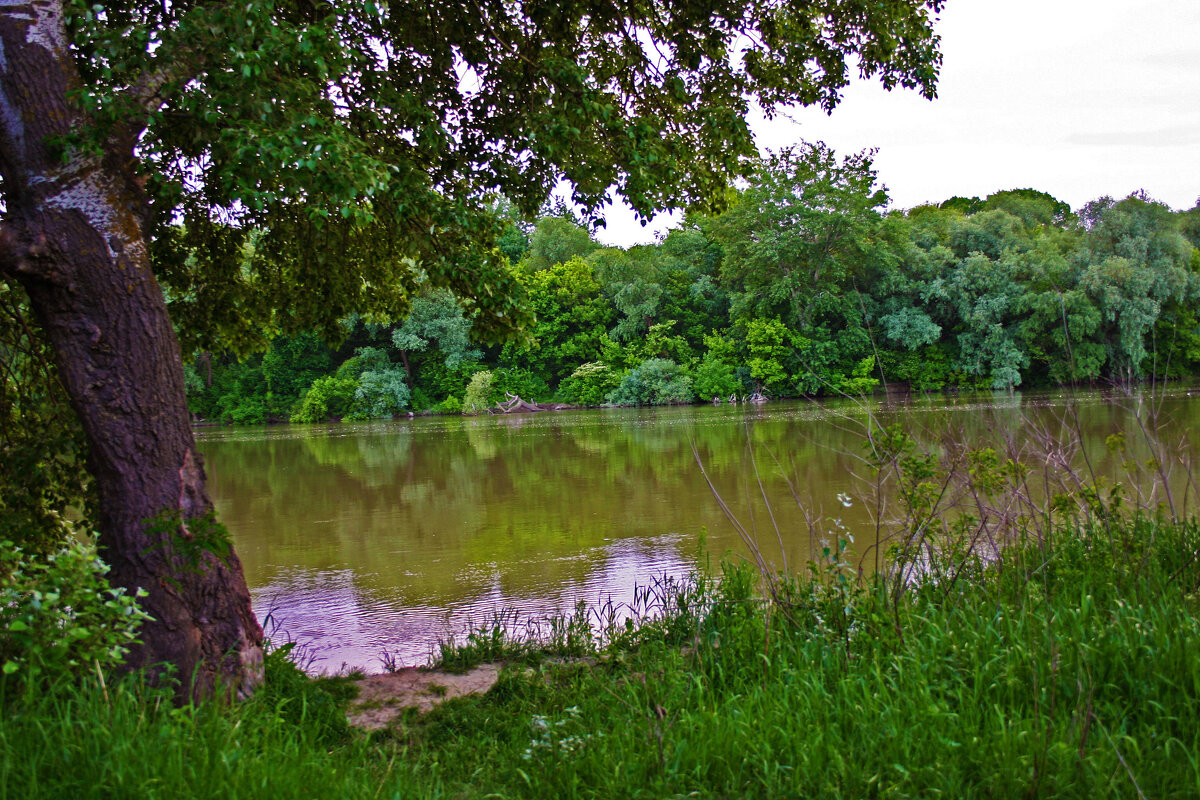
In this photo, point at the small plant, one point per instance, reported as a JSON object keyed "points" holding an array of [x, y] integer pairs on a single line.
{"points": [[58, 614], [555, 737], [390, 661]]}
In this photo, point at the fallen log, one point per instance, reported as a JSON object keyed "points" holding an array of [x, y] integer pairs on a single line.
{"points": [[515, 403]]}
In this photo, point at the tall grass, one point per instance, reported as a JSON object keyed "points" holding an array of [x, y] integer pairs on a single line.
{"points": [[92, 737], [1070, 673]]}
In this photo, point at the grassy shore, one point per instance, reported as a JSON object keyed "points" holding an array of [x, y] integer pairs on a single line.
{"points": [[1070, 668]]}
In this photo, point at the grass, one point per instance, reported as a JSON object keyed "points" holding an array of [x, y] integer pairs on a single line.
{"points": [[1069, 669]]}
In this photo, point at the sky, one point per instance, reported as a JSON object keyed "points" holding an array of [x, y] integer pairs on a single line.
{"points": [[1078, 98]]}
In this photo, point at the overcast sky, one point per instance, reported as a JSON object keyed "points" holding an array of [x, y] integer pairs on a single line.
{"points": [[1078, 98]]}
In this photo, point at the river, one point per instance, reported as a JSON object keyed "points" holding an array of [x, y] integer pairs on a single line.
{"points": [[358, 539]]}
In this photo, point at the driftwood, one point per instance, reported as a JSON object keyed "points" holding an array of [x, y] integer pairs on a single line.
{"points": [[757, 398], [515, 404]]}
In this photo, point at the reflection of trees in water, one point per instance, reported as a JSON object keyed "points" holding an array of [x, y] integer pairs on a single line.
{"points": [[446, 508]]}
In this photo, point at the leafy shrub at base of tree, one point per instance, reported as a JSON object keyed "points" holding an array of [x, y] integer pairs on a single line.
{"points": [[58, 615], [451, 405], [519, 381]]}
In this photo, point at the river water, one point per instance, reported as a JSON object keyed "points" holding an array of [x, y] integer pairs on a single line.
{"points": [[363, 538]]}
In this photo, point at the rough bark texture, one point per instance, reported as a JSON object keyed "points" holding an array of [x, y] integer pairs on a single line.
{"points": [[72, 235]]}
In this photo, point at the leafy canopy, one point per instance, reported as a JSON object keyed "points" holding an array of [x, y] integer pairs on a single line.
{"points": [[348, 146]]}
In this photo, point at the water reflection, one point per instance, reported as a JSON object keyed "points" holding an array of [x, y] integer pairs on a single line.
{"points": [[345, 623], [360, 538]]}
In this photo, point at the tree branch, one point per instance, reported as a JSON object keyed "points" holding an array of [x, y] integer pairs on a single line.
{"points": [[147, 93]]}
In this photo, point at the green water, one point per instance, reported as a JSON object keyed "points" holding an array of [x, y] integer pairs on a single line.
{"points": [[360, 538]]}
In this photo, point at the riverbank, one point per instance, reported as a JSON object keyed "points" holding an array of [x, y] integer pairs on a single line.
{"points": [[1067, 669]]}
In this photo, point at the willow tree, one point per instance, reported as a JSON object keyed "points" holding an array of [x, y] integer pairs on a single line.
{"points": [[234, 170]]}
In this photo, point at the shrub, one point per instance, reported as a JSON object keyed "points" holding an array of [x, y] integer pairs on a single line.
{"points": [[476, 399], [327, 397], [365, 359], [58, 613], [246, 410], [715, 378], [589, 384], [861, 380], [438, 380], [656, 381], [380, 394], [421, 401]]}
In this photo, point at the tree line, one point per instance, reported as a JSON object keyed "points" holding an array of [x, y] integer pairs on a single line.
{"points": [[805, 286]]}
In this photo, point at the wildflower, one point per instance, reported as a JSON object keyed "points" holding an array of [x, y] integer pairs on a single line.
{"points": [[845, 499]]}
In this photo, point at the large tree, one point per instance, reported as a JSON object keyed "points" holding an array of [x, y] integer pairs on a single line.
{"points": [[244, 169]]}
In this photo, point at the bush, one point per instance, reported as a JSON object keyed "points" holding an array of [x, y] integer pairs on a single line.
{"points": [[380, 394], [715, 378], [244, 410], [476, 399], [656, 381], [589, 384], [327, 397], [421, 401], [437, 380], [59, 615], [861, 380]]}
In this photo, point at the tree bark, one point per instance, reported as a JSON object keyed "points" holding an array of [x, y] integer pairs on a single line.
{"points": [[72, 235], [407, 367]]}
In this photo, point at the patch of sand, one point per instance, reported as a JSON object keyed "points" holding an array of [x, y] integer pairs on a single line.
{"points": [[382, 698]]}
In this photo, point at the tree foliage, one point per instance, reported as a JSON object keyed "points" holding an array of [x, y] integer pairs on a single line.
{"points": [[349, 142]]}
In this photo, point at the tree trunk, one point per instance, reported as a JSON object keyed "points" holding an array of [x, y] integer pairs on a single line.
{"points": [[71, 234], [407, 368]]}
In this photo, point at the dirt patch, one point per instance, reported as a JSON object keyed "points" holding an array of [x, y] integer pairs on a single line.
{"points": [[382, 698]]}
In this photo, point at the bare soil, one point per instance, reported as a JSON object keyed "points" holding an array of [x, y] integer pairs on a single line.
{"points": [[382, 698]]}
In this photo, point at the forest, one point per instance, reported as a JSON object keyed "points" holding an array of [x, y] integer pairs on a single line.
{"points": [[807, 284]]}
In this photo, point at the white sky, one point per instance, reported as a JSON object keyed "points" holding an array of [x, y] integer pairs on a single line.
{"points": [[1078, 98]]}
